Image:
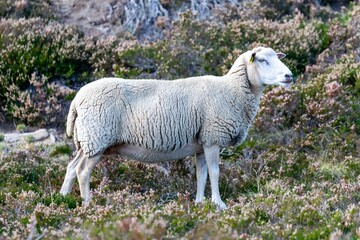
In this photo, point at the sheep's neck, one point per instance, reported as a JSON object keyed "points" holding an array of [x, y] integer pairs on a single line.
{"points": [[239, 73], [257, 91], [240, 79], [255, 88]]}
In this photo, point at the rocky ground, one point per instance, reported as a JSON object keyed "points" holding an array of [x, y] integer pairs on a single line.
{"points": [[147, 20]]}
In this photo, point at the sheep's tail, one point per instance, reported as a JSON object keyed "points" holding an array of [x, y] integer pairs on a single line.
{"points": [[70, 124]]}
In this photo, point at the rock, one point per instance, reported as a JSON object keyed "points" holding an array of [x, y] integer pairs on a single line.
{"points": [[146, 20], [38, 135], [52, 138]]}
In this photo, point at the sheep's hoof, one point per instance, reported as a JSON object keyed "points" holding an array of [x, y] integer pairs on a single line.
{"points": [[199, 201], [63, 192], [85, 204], [220, 205]]}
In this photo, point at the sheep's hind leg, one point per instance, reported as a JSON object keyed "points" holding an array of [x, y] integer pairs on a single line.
{"points": [[70, 174], [212, 159], [201, 176], [83, 172]]}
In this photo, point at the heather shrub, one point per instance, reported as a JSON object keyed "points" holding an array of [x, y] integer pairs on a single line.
{"points": [[301, 42], [327, 93], [26, 9], [273, 10], [213, 48], [298, 194], [295, 177], [40, 103], [314, 105], [132, 228], [106, 59], [284, 9], [330, 97], [115, 173], [29, 173], [35, 52], [189, 39], [279, 109], [136, 61], [168, 58]]}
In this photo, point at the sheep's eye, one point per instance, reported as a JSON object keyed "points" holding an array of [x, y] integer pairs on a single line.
{"points": [[263, 61]]}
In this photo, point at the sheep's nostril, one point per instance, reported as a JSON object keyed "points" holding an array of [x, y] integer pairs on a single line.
{"points": [[289, 77]]}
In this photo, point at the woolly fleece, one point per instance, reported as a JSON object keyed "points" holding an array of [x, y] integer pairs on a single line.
{"points": [[163, 115]]}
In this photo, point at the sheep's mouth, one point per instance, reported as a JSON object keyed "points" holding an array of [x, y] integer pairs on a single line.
{"points": [[287, 81]]}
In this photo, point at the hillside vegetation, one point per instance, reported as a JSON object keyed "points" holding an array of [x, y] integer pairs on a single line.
{"points": [[295, 177]]}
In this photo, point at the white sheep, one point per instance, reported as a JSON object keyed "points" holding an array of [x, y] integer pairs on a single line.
{"points": [[157, 120]]}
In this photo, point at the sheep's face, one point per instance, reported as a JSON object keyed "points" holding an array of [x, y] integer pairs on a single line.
{"points": [[265, 68]]}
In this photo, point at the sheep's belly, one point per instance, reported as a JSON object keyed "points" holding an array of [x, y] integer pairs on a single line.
{"points": [[147, 155]]}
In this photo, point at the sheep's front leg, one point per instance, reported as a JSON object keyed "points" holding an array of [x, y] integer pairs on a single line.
{"points": [[212, 156], [71, 174], [83, 172], [201, 176]]}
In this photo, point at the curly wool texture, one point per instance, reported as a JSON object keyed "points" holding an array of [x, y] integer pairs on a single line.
{"points": [[163, 115]]}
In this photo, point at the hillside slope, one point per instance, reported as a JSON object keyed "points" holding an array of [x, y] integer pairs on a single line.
{"points": [[295, 177]]}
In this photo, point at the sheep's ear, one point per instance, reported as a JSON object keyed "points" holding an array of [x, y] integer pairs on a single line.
{"points": [[281, 55], [252, 57]]}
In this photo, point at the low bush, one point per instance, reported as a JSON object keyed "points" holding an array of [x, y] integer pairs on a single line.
{"points": [[34, 52], [213, 48], [27, 9]]}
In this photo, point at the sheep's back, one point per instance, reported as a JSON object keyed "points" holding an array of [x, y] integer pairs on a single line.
{"points": [[144, 113]]}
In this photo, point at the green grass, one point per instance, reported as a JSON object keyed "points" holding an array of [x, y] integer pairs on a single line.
{"points": [[21, 127], [60, 149]]}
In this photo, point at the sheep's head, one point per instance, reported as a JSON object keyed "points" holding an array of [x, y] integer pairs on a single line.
{"points": [[265, 68]]}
